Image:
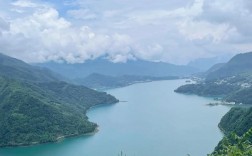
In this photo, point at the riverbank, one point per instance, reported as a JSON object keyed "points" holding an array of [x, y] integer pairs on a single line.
{"points": [[57, 140]]}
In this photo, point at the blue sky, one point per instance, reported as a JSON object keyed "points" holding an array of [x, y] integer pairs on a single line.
{"points": [[175, 31]]}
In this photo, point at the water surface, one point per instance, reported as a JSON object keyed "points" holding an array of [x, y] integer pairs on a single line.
{"points": [[154, 121]]}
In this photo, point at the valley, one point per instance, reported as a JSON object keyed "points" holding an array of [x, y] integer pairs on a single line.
{"points": [[125, 78], [46, 107]]}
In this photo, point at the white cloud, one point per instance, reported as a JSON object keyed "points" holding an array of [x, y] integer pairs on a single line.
{"points": [[45, 36], [173, 31], [4, 26], [218, 33], [234, 12], [82, 14], [24, 4]]}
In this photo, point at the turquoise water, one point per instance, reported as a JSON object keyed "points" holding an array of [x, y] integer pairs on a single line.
{"points": [[154, 121]]}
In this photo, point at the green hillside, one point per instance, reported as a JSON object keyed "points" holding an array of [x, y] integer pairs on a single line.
{"points": [[234, 145], [40, 108], [243, 96], [237, 126], [17, 69], [207, 89], [239, 64], [238, 120], [233, 82]]}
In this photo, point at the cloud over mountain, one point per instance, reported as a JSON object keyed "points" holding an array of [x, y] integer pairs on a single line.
{"points": [[173, 31]]}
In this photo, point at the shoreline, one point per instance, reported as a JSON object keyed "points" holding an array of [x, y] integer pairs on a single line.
{"points": [[133, 83], [221, 103], [61, 138], [58, 139]]}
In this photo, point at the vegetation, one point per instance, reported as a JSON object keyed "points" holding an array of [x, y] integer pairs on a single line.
{"points": [[17, 69], [234, 145], [43, 110], [237, 120], [231, 90], [232, 81], [33, 114], [207, 89], [240, 63], [241, 96]]}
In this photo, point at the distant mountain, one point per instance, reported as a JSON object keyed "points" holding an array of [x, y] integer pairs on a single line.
{"points": [[99, 81], [210, 70], [214, 68], [206, 63], [35, 107], [232, 81], [239, 64], [105, 67]]}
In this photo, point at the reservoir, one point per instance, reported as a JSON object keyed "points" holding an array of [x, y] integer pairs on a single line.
{"points": [[151, 120]]}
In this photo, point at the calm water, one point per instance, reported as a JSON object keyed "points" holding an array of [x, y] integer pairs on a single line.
{"points": [[154, 121]]}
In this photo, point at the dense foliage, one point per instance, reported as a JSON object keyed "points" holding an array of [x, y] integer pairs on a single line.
{"points": [[238, 120], [33, 114], [232, 81], [234, 145], [42, 110], [11, 67]]}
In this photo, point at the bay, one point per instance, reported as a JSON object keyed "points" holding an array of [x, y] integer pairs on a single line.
{"points": [[151, 120]]}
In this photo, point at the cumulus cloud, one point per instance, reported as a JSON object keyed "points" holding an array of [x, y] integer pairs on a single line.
{"points": [[25, 4], [45, 36], [172, 31]]}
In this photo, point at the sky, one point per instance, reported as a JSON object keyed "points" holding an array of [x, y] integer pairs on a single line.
{"points": [[174, 31]]}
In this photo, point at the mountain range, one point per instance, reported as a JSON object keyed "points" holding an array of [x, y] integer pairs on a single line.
{"points": [[204, 64], [239, 64], [101, 82], [106, 67], [231, 80]]}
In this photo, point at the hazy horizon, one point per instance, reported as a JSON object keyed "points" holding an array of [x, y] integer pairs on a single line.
{"points": [[169, 31]]}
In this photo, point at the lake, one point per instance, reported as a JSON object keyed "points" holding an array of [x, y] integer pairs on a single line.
{"points": [[152, 120]]}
